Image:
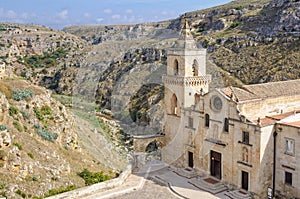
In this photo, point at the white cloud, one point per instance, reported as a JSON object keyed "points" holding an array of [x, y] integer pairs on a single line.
{"points": [[129, 11], [87, 15], [63, 14], [107, 11], [116, 17], [11, 14], [99, 20], [164, 13]]}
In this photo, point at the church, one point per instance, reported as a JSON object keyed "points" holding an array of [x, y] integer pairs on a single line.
{"points": [[246, 137]]}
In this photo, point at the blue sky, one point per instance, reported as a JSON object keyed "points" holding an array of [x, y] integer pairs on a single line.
{"points": [[60, 13]]}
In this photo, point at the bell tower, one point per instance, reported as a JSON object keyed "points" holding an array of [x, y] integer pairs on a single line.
{"points": [[185, 81], [186, 72]]}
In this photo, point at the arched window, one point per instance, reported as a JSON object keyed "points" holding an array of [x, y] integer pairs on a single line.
{"points": [[226, 125], [195, 68], [176, 67], [245, 155], [206, 120], [174, 108]]}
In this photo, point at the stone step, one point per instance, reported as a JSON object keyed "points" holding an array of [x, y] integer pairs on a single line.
{"points": [[159, 180], [186, 172], [214, 188], [238, 194]]}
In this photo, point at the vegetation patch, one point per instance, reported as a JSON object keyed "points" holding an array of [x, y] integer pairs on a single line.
{"points": [[2, 127], [53, 192], [22, 194], [18, 126], [47, 135], [19, 95], [30, 155], [46, 60], [18, 146], [93, 178], [25, 114], [13, 110]]}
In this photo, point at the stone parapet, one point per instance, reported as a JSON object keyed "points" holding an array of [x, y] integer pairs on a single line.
{"points": [[84, 191], [187, 81]]}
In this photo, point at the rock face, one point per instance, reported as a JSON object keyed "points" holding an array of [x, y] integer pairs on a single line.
{"points": [[287, 15], [278, 17], [39, 146]]}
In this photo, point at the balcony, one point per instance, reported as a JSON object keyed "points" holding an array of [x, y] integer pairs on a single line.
{"points": [[187, 81]]}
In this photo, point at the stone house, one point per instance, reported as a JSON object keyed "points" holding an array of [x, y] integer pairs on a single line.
{"points": [[228, 133]]}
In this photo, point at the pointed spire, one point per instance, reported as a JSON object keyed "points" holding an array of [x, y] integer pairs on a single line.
{"points": [[186, 31], [186, 24]]}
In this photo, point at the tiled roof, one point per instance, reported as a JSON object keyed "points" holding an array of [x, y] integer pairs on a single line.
{"points": [[282, 119], [263, 91]]}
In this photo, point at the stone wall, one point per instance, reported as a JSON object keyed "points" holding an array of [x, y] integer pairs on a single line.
{"points": [[79, 193], [286, 162]]}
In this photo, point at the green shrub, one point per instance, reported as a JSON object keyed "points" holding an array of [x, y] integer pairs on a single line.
{"points": [[3, 186], [92, 178], [38, 113], [30, 155], [53, 192], [2, 127], [13, 110], [18, 126], [19, 146], [47, 135], [25, 114], [19, 95], [234, 25], [35, 179], [19, 192], [36, 126], [46, 110]]}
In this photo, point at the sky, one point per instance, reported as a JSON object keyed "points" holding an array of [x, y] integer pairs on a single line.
{"points": [[60, 13]]}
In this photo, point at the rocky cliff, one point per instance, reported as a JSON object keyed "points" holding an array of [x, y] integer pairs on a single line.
{"points": [[40, 149]]}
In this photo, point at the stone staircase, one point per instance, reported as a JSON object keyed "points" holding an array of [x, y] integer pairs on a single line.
{"points": [[238, 194], [208, 184], [186, 172]]}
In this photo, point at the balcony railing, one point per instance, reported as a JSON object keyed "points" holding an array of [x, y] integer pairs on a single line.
{"points": [[187, 81]]}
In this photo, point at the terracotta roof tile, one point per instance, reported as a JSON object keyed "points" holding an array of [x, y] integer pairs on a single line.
{"points": [[263, 91]]}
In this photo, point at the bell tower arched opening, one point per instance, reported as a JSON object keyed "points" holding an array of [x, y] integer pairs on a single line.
{"points": [[195, 68], [174, 105], [176, 67]]}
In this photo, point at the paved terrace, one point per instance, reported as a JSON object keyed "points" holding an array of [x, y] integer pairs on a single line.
{"points": [[158, 180]]}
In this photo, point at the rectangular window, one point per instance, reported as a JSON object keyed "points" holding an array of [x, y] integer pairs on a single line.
{"points": [[288, 178], [190, 122], [245, 137], [226, 125], [289, 146]]}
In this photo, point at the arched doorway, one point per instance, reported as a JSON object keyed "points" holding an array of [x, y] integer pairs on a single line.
{"points": [[153, 151]]}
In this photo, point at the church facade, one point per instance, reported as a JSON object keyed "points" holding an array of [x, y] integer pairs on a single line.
{"points": [[247, 137]]}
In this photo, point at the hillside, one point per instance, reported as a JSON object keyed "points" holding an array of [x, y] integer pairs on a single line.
{"points": [[40, 144], [119, 67]]}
